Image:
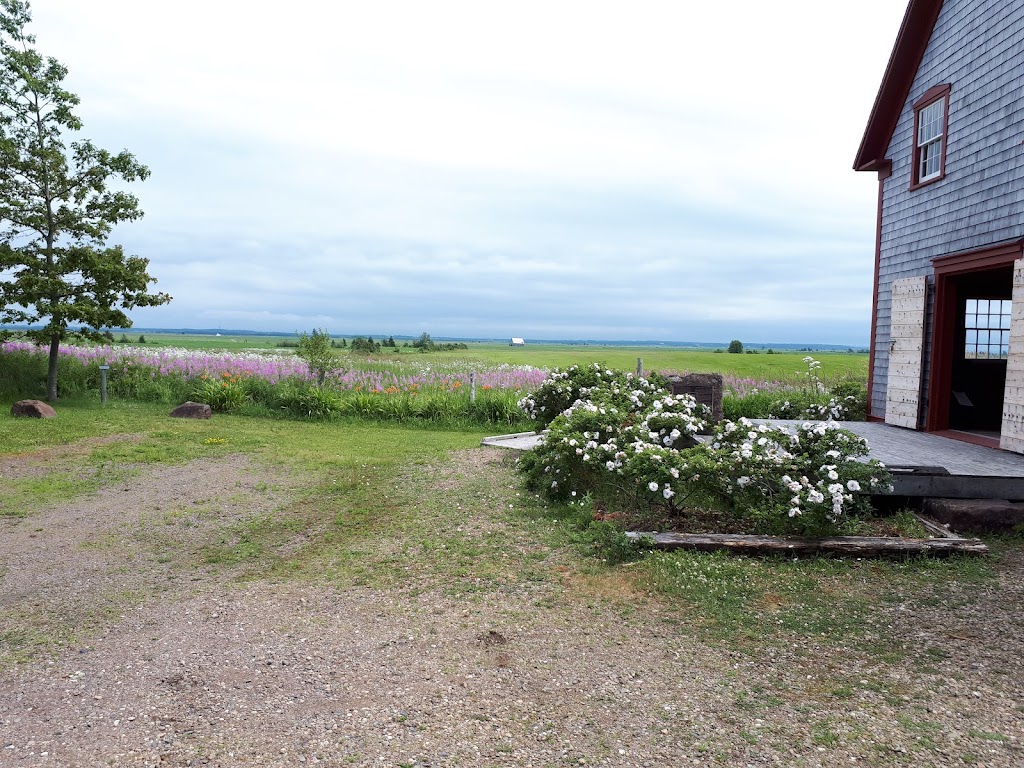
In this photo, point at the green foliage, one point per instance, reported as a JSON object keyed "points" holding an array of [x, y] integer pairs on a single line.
{"points": [[305, 401], [23, 375], [735, 347], [562, 388], [809, 398], [315, 349], [57, 207], [368, 346], [227, 393], [139, 382], [853, 393], [425, 344]]}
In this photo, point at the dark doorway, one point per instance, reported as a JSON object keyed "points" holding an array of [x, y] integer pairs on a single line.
{"points": [[980, 347], [970, 342]]}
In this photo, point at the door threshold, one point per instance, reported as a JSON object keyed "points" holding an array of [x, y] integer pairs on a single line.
{"points": [[968, 437]]}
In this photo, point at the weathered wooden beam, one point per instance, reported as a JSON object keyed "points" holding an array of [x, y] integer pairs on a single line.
{"points": [[934, 528], [854, 546]]}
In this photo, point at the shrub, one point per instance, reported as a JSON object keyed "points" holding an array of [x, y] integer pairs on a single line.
{"points": [[361, 346], [315, 349], [226, 393], [592, 446], [637, 447], [806, 480], [562, 388]]}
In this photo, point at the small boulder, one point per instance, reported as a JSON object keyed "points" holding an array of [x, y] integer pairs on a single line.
{"points": [[976, 515], [33, 409], [192, 410]]}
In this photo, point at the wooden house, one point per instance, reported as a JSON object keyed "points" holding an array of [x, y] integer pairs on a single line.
{"points": [[946, 138]]}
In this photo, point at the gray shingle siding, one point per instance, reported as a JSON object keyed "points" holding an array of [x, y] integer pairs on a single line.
{"points": [[977, 47]]}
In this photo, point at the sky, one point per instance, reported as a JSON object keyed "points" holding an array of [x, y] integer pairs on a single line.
{"points": [[670, 171]]}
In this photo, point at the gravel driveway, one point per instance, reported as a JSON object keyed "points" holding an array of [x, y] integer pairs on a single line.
{"points": [[118, 654]]}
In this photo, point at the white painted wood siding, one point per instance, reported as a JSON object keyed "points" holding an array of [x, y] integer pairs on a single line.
{"points": [[906, 350], [1011, 437]]}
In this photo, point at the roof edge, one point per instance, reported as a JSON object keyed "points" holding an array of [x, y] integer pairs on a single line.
{"points": [[911, 43]]}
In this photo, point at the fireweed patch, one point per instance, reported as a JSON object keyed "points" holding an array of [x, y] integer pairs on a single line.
{"points": [[284, 384]]}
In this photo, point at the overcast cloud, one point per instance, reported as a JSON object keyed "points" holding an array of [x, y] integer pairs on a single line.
{"points": [[551, 169]]}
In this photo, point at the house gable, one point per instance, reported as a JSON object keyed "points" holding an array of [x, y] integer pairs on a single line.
{"points": [[911, 42]]}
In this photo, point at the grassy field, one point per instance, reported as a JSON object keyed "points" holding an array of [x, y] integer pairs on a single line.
{"points": [[779, 366]]}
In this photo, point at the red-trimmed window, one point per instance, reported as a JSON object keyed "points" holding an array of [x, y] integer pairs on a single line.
{"points": [[931, 124]]}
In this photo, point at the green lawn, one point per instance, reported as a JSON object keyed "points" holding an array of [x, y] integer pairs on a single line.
{"points": [[376, 503]]}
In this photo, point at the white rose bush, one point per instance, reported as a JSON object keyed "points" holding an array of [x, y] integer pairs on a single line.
{"points": [[813, 479], [563, 387], [628, 443]]}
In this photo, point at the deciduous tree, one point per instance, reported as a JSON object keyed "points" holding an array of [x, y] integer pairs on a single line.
{"points": [[58, 204], [315, 349]]}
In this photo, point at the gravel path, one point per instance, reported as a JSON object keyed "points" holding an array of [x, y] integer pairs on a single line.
{"points": [[184, 665]]}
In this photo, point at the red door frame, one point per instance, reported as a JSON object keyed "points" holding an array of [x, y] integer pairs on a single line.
{"points": [[946, 269]]}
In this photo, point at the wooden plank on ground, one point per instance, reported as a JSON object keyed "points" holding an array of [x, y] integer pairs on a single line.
{"points": [[854, 546], [935, 528]]}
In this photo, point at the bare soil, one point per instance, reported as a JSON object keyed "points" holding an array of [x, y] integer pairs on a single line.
{"points": [[124, 647]]}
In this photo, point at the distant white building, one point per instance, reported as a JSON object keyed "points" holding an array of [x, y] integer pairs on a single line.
{"points": [[517, 342]]}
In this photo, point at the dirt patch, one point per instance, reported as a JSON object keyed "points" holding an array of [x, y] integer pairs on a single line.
{"points": [[514, 673], [19, 466], [73, 566]]}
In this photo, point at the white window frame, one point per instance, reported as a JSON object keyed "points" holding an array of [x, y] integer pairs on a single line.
{"points": [[929, 147], [931, 136]]}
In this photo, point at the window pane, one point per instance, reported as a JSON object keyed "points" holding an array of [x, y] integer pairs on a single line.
{"points": [[982, 306], [1004, 321], [972, 337], [972, 306], [930, 122]]}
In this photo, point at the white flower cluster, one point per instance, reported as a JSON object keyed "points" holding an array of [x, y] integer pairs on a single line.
{"points": [[829, 461]]}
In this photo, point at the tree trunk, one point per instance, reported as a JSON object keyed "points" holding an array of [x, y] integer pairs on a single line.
{"points": [[51, 370]]}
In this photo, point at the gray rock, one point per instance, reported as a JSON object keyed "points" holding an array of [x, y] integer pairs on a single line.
{"points": [[190, 410]]}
